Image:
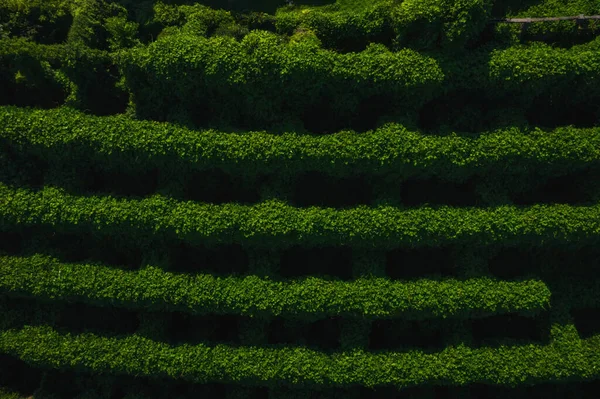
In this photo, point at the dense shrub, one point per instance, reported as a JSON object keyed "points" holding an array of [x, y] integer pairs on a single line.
{"points": [[311, 297]]}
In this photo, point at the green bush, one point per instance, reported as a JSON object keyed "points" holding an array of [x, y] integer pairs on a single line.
{"points": [[253, 77], [275, 224], [311, 298], [566, 358], [71, 74], [87, 24], [539, 68], [563, 33], [46, 21], [115, 142], [440, 23], [336, 28]]}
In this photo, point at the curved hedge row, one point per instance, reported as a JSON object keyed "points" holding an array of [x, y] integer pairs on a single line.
{"points": [[67, 55], [266, 78], [526, 70], [71, 74], [99, 25], [424, 25], [335, 25], [64, 134], [261, 79], [268, 81], [566, 359], [152, 288], [437, 23], [275, 224]]}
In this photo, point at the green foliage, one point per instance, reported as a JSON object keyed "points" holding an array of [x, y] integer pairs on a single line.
{"points": [[66, 135], [42, 20], [65, 72], [210, 61], [254, 76], [525, 71], [201, 20], [457, 365], [560, 32], [87, 23], [340, 26], [168, 14], [539, 68], [24, 71], [550, 8], [6, 394], [265, 81], [275, 224], [197, 19], [446, 23], [122, 33], [152, 288]]}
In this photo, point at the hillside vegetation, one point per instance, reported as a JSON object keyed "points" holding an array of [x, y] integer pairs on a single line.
{"points": [[299, 199]]}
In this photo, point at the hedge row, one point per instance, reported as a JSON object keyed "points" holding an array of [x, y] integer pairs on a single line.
{"points": [[70, 56], [199, 19], [526, 71], [102, 25], [449, 23], [568, 358], [70, 74], [435, 23], [262, 80], [98, 25], [265, 78], [275, 224], [63, 134], [540, 68], [562, 32], [335, 25], [418, 24], [153, 288], [47, 21], [182, 77]]}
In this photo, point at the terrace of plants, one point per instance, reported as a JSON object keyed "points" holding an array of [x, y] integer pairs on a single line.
{"points": [[303, 199]]}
